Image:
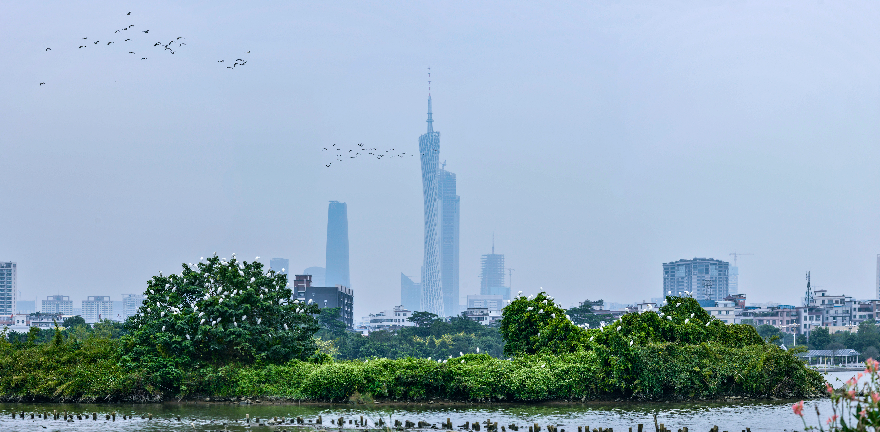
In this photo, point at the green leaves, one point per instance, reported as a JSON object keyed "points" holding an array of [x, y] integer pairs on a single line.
{"points": [[219, 312]]}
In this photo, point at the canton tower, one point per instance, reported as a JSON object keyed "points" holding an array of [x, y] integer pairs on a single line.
{"points": [[429, 147]]}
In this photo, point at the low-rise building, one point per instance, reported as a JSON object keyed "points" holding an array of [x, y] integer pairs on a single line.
{"points": [[483, 316], [724, 310], [392, 319]]}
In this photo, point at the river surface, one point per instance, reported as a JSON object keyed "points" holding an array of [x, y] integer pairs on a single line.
{"points": [[729, 416]]}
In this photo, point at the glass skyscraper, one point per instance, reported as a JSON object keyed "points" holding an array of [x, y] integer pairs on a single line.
{"points": [[429, 148], [336, 272], [700, 278], [410, 293], [492, 275], [449, 220]]}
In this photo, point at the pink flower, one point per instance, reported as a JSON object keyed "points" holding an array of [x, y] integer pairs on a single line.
{"points": [[798, 408], [863, 413], [832, 419], [859, 376], [875, 397], [851, 394], [871, 365], [829, 388]]}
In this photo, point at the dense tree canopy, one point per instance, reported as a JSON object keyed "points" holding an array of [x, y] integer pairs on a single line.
{"points": [[221, 311], [584, 314], [536, 325]]}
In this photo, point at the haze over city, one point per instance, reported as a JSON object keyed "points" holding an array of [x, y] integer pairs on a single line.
{"points": [[595, 141]]}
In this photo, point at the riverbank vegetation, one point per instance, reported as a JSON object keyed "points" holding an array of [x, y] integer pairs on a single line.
{"points": [[228, 329]]}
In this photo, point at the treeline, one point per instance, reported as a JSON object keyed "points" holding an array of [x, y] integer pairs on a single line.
{"points": [[432, 338], [225, 328]]}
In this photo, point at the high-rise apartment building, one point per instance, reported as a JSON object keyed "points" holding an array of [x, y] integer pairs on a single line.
{"points": [[280, 265], [492, 275], [429, 148], [337, 245], [8, 288], [130, 304], [97, 308], [449, 222], [410, 293], [317, 274], [700, 278], [57, 304]]}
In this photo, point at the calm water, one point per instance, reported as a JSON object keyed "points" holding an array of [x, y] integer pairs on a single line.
{"points": [[762, 416]]}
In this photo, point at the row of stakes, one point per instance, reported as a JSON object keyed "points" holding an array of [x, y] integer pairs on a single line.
{"points": [[340, 422]]}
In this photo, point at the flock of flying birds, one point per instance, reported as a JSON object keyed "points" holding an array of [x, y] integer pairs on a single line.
{"points": [[129, 34], [340, 154]]}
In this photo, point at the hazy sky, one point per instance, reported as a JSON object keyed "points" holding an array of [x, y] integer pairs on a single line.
{"points": [[597, 140]]}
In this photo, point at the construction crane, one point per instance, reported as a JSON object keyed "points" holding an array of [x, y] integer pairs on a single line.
{"points": [[735, 255]]}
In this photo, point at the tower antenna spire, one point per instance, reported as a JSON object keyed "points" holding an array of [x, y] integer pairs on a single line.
{"points": [[430, 119]]}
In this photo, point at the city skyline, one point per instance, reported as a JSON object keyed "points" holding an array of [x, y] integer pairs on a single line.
{"points": [[596, 140]]}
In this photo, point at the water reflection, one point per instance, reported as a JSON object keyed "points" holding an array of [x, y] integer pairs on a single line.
{"points": [[763, 416]]}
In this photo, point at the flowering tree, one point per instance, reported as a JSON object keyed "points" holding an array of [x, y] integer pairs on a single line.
{"points": [[854, 407]]}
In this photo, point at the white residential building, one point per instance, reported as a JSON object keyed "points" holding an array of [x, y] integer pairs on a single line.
{"points": [[391, 319], [97, 308]]}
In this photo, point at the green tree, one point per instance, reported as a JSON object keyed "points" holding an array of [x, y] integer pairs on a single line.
{"points": [[220, 312], [770, 333], [331, 323], [423, 319], [73, 321], [584, 314], [819, 338]]}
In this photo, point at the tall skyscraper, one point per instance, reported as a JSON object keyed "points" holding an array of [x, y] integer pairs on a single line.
{"points": [[280, 265], [8, 287], [700, 278], [492, 275], [337, 245], [449, 221], [733, 280], [410, 293], [429, 147], [317, 274]]}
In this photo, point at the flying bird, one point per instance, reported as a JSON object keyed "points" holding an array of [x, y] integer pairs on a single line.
{"points": [[96, 42], [128, 13], [48, 49], [146, 31], [42, 83]]}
